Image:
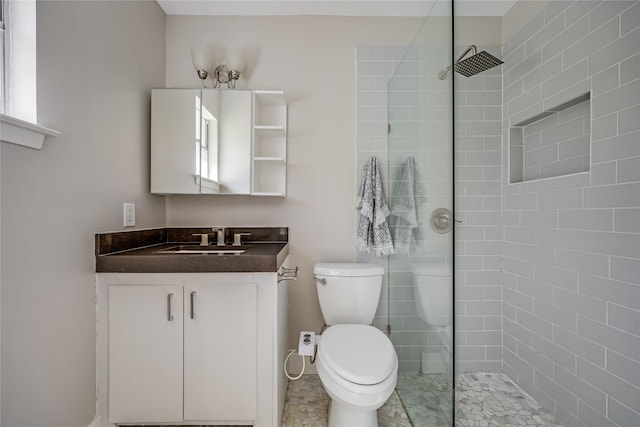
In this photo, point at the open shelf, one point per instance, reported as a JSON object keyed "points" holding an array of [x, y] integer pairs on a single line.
{"points": [[269, 143], [264, 130], [269, 159], [553, 143]]}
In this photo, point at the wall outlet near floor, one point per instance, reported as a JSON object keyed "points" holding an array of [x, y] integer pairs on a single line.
{"points": [[129, 212]]}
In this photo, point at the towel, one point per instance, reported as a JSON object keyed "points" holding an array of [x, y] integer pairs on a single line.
{"points": [[373, 235], [409, 197]]}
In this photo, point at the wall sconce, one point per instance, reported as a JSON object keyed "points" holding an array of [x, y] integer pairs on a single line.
{"points": [[203, 60]]}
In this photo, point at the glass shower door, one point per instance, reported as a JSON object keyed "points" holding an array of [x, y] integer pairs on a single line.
{"points": [[421, 201]]}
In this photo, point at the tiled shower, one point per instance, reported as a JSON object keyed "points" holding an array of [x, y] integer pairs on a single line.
{"points": [[547, 193]]}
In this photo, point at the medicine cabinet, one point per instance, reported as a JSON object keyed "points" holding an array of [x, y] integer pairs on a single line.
{"points": [[216, 141]]}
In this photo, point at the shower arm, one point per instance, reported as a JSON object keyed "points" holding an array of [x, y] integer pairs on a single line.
{"points": [[472, 47], [442, 74]]}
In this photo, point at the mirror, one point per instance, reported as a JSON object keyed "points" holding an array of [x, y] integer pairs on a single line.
{"points": [[200, 141]]}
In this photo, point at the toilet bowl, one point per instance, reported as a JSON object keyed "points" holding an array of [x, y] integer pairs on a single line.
{"points": [[356, 362], [433, 298], [358, 367], [433, 292]]}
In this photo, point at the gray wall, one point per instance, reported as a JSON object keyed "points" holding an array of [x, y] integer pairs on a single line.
{"points": [[418, 107], [478, 206], [311, 58], [96, 64], [375, 66], [478, 189], [571, 250]]}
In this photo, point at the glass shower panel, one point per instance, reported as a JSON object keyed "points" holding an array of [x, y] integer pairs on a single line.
{"points": [[421, 201]]}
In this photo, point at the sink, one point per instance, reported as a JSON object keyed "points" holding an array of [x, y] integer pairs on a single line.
{"points": [[197, 249]]}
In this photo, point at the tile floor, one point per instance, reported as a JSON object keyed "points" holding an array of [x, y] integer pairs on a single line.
{"points": [[307, 404], [483, 400]]}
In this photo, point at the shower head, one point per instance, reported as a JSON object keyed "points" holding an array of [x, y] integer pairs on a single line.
{"points": [[473, 65]]}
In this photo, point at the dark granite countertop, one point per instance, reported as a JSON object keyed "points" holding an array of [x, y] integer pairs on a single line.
{"points": [[141, 251]]}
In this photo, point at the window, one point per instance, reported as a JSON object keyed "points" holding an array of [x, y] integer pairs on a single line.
{"points": [[18, 108]]}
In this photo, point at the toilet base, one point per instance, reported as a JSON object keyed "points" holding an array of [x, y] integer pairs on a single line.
{"points": [[347, 416]]}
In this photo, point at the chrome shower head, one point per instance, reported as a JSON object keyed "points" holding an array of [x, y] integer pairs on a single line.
{"points": [[473, 65]]}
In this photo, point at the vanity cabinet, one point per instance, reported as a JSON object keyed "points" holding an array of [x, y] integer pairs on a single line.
{"points": [[220, 351], [145, 353], [164, 338], [216, 141], [191, 347]]}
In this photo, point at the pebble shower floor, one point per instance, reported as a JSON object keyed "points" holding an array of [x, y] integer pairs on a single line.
{"points": [[482, 400]]}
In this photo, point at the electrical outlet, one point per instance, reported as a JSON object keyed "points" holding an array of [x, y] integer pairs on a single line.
{"points": [[129, 214]]}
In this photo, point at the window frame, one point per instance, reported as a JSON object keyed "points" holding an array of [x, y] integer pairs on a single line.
{"points": [[4, 52], [18, 117]]}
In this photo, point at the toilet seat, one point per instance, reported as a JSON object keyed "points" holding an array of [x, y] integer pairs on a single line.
{"points": [[347, 351]]}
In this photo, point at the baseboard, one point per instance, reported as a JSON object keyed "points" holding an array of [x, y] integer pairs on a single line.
{"points": [[96, 422]]}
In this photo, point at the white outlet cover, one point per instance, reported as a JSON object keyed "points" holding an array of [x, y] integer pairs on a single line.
{"points": [[129, 213]]}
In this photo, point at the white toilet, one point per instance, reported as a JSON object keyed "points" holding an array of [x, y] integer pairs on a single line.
{"points": [[433, 292], [433, 297], [356, 362]]}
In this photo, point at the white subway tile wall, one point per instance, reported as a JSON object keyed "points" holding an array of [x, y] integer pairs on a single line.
{"points": [[478, 116], [372, 114], [571, 252], [421, 128], [479, 113], [562, 316]]}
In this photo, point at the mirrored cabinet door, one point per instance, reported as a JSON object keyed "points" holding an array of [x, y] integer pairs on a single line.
{"points": [[200, 141], [175, 141], [234, 144]]}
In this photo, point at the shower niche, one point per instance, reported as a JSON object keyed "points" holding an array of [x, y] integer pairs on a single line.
{"points": [[555, 142]]}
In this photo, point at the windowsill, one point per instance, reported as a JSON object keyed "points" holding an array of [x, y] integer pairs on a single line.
{"points": [[20, 132], [207, 184]]}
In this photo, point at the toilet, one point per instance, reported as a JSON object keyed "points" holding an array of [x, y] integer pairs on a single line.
{"points": [[433, 297], [433, 292], [356, 362]]}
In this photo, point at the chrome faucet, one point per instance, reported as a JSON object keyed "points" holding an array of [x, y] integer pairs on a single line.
{"points": [[237, 238], [204, 238], [219, 235]]}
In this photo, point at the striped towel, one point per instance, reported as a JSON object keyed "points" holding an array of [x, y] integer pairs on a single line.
{"points": [[373, 235], [409, 197]]}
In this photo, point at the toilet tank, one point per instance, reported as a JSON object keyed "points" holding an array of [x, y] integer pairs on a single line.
{"points": [[433, 292], [348, 292]]}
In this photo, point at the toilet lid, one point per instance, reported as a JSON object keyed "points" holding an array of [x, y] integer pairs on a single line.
{"points": [[360, 354], [355, 269]]}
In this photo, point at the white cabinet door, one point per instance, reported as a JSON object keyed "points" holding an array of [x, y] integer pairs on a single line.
{"points": [[220, 351], [145, 353]]}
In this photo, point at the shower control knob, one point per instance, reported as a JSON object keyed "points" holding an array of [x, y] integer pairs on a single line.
{"points": [[440, 220]]}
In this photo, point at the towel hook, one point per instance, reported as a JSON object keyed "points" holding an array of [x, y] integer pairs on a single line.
{"points": [[287, 274]]}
